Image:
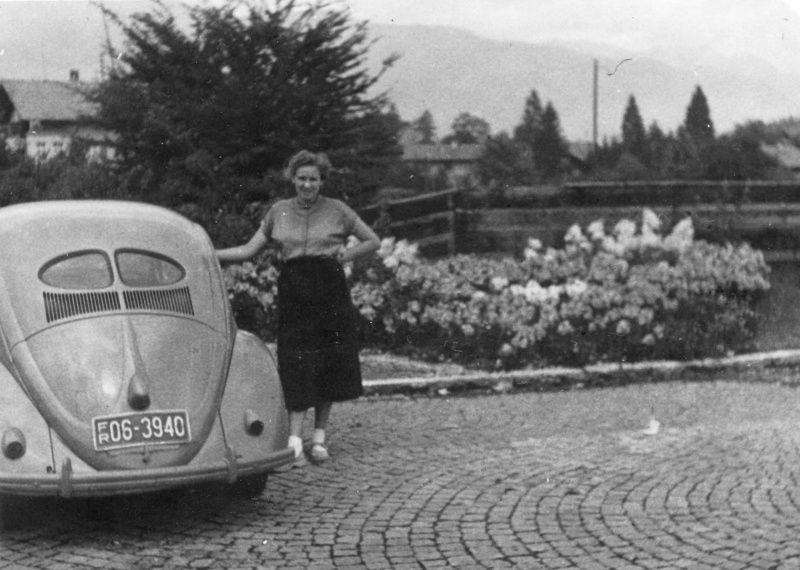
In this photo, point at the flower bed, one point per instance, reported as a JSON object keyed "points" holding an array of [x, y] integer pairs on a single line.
{"points": [[626, 293]]}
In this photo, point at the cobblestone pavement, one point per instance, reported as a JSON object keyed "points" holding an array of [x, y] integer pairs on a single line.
{"points": [[580, 479]]}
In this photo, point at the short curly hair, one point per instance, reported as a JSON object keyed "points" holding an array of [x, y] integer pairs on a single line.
{"points": [[308, 158]]}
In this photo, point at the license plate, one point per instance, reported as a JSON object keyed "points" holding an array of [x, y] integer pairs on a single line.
{"points": [[141, 428]]}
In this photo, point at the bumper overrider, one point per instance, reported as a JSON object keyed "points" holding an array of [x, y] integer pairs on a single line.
{"points": [[66, 483]]}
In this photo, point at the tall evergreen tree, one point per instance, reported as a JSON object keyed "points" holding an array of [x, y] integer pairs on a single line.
{"points": [[426, 128], [698, 122], [550, 146], [531, 125], [633, 133]]}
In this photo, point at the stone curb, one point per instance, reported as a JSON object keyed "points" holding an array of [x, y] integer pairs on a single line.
{"points": [[755, 366]]}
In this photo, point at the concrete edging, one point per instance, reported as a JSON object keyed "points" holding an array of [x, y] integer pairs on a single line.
{"points": [[594, 375]]}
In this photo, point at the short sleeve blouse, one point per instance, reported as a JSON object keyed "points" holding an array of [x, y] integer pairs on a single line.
{"points": [[321, 229]]}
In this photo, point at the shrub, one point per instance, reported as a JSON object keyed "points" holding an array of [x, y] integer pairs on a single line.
{"points": [[626, 293]]}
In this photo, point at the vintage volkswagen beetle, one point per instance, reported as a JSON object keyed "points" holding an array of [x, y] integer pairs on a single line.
{"points": [[121, 368]]}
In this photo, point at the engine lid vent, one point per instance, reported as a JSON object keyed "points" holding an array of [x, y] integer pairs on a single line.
{"points": [[169, 300], [64, 305]]}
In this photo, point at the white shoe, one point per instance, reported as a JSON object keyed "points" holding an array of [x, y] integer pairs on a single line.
{"points": [[319, 453], [299, 461]]}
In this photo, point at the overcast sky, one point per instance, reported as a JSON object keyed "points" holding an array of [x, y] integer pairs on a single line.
{"points": [[45, 39], [728, 26]]}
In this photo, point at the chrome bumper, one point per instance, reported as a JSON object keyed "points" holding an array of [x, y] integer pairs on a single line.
{"points": [[66, 483]]}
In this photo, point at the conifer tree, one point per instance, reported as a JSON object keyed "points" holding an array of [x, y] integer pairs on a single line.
{"points": [[698, 122], [531, 125], [550, 147], [426, 128], [633, 133], [241, 88]]}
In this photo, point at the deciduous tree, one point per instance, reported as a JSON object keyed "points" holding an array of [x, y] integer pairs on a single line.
{"points": [[468, 129]]}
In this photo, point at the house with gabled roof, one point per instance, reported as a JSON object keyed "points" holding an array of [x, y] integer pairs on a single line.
{"points": [[786, 154], [457, 162], [45, 118]]}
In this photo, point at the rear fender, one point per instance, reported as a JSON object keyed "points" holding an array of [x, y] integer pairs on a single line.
{"points": [[17, 411], [253, 391]]}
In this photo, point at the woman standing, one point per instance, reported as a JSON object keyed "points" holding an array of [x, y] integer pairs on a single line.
{"points": [[317, 350]]}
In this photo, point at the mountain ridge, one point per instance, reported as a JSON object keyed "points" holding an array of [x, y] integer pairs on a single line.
{"points": [[492, 79]]}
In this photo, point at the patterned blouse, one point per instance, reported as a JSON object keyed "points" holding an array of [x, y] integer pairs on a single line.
{"points": [[320, 229]]}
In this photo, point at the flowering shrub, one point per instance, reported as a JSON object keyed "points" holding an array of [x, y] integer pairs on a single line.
{"points": [[625, 293], [253, 290]]}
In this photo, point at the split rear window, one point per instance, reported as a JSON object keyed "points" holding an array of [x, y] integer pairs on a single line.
{"points": [[146, 269], [92, 269], [78, 270]]}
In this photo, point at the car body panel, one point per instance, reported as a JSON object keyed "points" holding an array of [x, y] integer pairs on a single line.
{"points": [[116, 314]]}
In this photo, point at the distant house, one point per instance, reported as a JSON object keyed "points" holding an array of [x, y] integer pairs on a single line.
{"points": [[457, 162], [786, 155], [45, 118]]}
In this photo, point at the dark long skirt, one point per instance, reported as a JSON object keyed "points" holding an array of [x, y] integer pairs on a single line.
{"points": [[317, 346]]}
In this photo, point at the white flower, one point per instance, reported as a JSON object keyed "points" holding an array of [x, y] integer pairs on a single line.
{"points": [[623, 327], [612, 246], [499, 283], [575, 235], [387, 247], [405, 252], [517, 290], [649, 237], [532, 251], [625, 231], [681, 237], [596, 230], [554, 291], [650, 220], [576, 288], [534, 292]]}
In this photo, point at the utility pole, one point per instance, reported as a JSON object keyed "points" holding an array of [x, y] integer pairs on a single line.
{"points": [[109, 48], [594, 106]]}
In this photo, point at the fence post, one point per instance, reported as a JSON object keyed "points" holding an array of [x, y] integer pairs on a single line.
{"points": [[451, 239]]}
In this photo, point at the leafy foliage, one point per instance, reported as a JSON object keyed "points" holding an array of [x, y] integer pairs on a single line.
{"points": [[468, 129], [204, 114]]}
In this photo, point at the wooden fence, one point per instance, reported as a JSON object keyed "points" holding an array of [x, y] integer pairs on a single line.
{"points": [[429, 220], [765, 214]]}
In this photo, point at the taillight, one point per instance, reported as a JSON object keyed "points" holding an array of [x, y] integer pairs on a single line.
{"points": [[253, 424], [13, 443]]}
